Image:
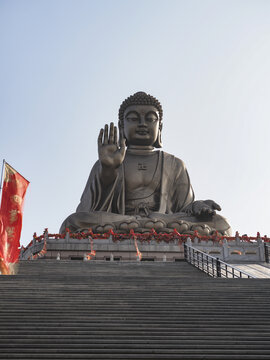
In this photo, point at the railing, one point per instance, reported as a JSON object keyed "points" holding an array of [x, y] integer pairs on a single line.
{"points": [[212, 266], [266, 252]]}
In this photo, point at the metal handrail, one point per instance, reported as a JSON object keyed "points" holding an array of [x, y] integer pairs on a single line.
{"points": [[213, 266]]}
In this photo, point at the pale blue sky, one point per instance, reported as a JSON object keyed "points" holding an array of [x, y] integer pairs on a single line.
{"points": [[66, 66]]}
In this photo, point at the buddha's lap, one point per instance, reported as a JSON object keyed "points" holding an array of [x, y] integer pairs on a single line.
{"points": [[155, 220]]}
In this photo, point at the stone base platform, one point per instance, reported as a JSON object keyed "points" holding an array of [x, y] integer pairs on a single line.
{"points": [[106, 249], [145, 247]]}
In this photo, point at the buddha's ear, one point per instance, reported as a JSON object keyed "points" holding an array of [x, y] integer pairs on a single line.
{"points": [[158, 142], [121, 130], [120, 126]]}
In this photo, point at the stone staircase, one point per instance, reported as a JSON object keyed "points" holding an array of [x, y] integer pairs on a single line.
{"points": [[131, 310]]}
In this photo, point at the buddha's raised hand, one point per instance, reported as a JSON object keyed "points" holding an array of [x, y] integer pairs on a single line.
{"points": [[111, 152]]}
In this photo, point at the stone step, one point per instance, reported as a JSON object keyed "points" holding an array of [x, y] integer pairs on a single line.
{"points": [[184, 336], [181, 356], [137, 348]]}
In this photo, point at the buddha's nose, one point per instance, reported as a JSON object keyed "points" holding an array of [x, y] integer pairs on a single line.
{"points": [[142, 121]]}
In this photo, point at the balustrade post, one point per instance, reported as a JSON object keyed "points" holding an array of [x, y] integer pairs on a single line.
{"points": [[218, 268], [185, 251], [67, 237], [266, 252]]}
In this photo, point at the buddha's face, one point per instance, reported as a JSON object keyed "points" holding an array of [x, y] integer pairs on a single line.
{"points": [[141, 125]]}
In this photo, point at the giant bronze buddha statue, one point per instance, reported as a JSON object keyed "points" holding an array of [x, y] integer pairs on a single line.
{"points": [[135, 186]]}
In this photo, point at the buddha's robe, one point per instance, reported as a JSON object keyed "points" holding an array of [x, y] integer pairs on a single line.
{"points": [[106, 207]]}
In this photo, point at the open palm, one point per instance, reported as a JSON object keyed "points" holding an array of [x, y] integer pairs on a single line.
{"points": [[111, 152]]}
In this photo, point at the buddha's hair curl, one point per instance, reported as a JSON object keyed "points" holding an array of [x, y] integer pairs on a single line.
{"points": [[139, 98]]}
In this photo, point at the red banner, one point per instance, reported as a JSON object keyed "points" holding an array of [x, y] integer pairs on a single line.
{"points": [[13, 192]]}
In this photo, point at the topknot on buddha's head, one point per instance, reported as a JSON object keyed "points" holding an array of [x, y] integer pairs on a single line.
{"points": [[140, 98]]}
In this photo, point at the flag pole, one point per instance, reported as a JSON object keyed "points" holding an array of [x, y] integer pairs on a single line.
{"points": [[3, 165]]}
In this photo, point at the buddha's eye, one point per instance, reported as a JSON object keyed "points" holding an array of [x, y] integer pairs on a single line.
{"points": [[132, 117], [151, 117]]}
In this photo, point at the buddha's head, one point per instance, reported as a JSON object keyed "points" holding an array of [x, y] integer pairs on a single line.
{"points": [[140, 119]]}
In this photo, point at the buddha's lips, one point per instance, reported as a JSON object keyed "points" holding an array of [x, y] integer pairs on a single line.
{"points": [[142, 132]]}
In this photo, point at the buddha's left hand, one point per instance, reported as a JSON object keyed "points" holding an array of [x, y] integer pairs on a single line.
{"points": [[203, 208]]}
